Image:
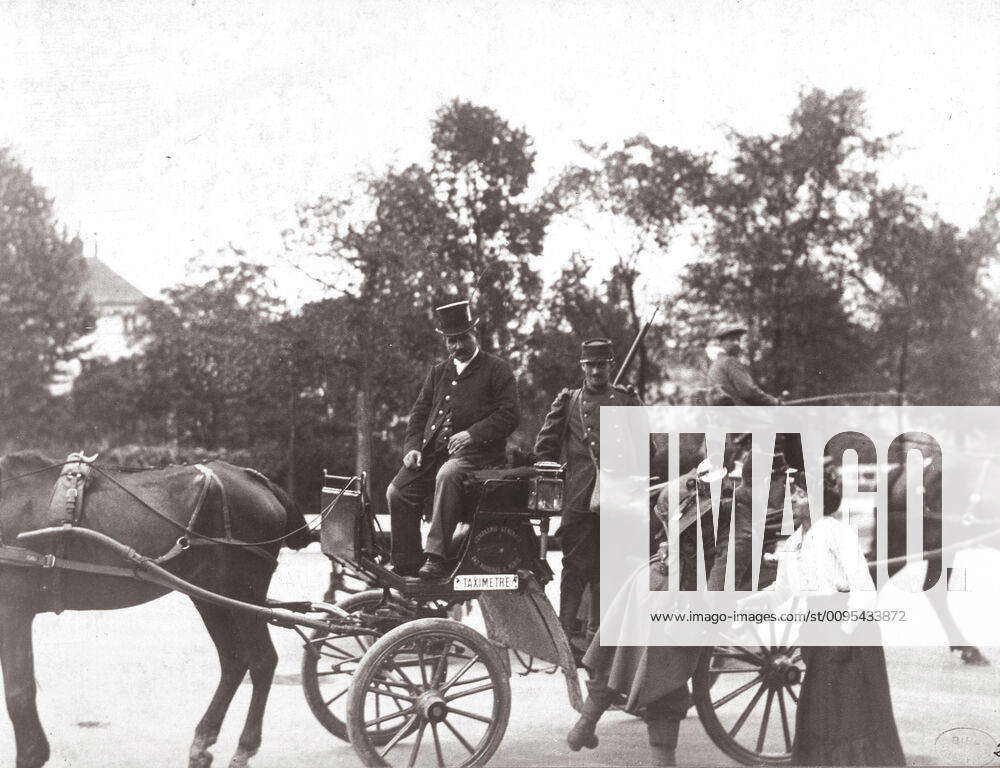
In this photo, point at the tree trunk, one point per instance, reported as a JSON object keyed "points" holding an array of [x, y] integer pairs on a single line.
{"points": [[904, 357], [293, 401], [363, 437]]}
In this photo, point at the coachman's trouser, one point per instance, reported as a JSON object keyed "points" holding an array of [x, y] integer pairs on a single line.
{"points": [[443, 478]]}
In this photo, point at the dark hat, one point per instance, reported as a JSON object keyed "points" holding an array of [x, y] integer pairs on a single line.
{"points": [[729, 329], [593, 350], [455, 319]]}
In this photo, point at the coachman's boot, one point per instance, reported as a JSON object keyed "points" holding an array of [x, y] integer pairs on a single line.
{"points": [[663, 740], [582, 733]]}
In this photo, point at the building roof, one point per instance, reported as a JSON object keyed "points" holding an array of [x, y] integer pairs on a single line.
{"points": [[106, 287]]}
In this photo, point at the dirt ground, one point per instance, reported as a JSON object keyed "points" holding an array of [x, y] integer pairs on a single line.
{"points": [[124, 689]]}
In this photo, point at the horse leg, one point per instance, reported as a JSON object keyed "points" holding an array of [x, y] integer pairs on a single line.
{"points": [[260, 656], [939, 602], [18, 662], [219, 623]]}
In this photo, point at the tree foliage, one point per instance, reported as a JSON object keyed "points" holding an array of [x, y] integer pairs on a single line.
{"points": [[785, 218], [845, 282], [412, 239], [923, 282], [655, 189], [42, 312], [204, 347]]}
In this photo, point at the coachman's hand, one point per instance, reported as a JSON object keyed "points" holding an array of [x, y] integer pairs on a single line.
{"points": [[412, 460], [458, 441]]}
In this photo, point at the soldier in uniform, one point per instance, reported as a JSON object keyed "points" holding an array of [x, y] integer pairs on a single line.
{"points": [[572, 431], [466, 409], [729, 380]]}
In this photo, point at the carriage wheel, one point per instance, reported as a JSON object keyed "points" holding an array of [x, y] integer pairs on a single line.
{"points": [[746, 697], [444, 683], [326, 674]]}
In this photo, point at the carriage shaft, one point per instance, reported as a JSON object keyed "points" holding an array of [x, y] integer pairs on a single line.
{"points": [[147, 570]]}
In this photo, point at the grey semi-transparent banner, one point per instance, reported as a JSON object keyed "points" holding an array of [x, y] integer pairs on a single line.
{"points": [[826, 525]]}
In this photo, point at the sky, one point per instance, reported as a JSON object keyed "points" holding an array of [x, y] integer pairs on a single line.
{"points": [[166, 130]]}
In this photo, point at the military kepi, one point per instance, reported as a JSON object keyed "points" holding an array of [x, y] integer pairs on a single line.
{"points": [[455, 319], [593, 350]]}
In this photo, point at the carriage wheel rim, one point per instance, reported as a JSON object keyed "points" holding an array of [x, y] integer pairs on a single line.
{"points": [[329, 662], [762, 685], [442, 666]]}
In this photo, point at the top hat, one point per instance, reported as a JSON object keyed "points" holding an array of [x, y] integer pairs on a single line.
{"points": [[594, 350], [729, 329], [455, 319]]}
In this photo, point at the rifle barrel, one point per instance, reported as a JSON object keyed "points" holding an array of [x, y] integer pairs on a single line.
{"points": [[639, 337]]}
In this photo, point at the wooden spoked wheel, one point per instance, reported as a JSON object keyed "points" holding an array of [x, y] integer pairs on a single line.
{"points": [[441, 686], [330, 660], [746, 697]]}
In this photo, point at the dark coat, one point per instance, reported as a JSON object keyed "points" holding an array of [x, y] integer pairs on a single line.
{"points": [[481, 400], [572, 432], [730, 383], [643, 674]]}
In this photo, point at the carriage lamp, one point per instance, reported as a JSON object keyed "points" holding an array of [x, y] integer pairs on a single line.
{"points": [[545, 490], [341, 516]]}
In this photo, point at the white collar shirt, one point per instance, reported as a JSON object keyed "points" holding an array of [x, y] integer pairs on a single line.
{"points": [[460, 366]]}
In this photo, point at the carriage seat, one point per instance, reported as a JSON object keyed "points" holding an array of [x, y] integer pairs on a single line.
{"points": [[479, 476], [496, 488], [534, 491]]}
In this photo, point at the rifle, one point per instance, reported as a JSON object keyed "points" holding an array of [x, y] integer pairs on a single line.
{"points": [[634, 349]]}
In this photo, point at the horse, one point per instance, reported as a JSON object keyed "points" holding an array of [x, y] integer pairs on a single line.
{"points": [[933, 552], [240, 519]]}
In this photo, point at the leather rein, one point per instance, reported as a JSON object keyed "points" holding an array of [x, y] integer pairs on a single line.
{"points": [[74, 475]]}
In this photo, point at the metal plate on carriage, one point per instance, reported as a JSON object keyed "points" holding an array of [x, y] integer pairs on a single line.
{"points": [[525, 621], [486, 581]]}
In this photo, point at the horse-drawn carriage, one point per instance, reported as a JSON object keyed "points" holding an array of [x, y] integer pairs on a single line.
{"points": [[384, 694], [386, 668]]}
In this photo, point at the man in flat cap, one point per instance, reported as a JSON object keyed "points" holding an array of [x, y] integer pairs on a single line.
{"points": [[571, 432], [729, 381], [466, 409]]}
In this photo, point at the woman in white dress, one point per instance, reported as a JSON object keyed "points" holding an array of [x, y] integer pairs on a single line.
{"points": [[844, 714]]}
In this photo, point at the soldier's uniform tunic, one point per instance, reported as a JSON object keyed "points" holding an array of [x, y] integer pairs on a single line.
{"points": [[572, 432]]}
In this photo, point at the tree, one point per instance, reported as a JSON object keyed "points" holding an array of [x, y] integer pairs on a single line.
{"points": [[785, 220], [412, 239], [574, 310], [378, 321], [203, 348], [922, 281], [42, 313], [109, 407], [655, 189], [480, 170]]}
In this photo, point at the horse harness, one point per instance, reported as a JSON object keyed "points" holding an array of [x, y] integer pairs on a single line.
{"points": [[66, 511]]}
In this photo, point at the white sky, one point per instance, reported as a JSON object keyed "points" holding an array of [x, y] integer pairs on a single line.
{"points": [[171, 128]]}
